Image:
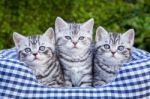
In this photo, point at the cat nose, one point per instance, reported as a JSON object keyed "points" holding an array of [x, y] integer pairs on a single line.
{"points": [[74, 43], [113, 53], [34, 54]]}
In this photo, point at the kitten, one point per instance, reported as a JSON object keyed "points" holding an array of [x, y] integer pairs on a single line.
{"points": [[38, 52], [112, 50], [74, 49]]}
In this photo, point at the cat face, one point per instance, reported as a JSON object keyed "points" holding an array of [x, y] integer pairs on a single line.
{"points": [[73, 37], [114, 48], [36, 49]]}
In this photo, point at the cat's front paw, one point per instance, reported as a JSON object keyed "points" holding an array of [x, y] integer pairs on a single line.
{"points": [[99, 83], [86, 85], [68, 84], [56, 86]]}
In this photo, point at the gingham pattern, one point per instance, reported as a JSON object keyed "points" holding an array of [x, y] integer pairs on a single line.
{"points": [[17, 81]]}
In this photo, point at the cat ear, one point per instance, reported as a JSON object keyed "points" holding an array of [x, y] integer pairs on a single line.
{"points": [[101, 34], [88, 25], [128, 36], [50, 34], [17, 38], [60, 24]]}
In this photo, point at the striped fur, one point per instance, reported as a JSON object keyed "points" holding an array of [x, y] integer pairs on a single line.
{"points": [[74, 49], [111, 51], [38, 51]]}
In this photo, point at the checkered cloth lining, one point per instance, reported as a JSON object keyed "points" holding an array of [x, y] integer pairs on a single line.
{"points": [[132, 81]]}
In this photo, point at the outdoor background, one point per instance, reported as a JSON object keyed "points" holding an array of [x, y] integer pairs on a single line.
{"points": [[35, 16]]}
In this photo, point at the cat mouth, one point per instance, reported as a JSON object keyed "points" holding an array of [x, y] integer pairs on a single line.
{"points": [[35, 58], [113, 56], [75, 47]]}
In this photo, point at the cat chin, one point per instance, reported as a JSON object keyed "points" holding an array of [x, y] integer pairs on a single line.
{"points": [[112, 61], [72, 49], [75, 49], [35, 62]]}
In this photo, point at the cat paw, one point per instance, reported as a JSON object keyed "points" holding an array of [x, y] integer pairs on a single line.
{"points": [[86, 85], [68, 84], [99, 83]]}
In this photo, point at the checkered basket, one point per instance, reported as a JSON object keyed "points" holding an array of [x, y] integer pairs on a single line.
{"points": [[18, 82]]}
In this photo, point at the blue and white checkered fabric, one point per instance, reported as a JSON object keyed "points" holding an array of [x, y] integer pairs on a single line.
{"points": [[17, 81]]}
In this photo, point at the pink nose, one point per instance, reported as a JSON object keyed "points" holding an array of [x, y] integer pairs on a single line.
{"points": [[34, 54], [74, 43], [113, 53]]}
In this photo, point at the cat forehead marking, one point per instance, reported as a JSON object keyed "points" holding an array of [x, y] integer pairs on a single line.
{"points": [[74, 28], [114, 38], [34, 39]]}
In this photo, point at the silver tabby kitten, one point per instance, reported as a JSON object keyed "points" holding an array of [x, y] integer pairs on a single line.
{"points": [[38, 51], [74, 43], [112, 50]]}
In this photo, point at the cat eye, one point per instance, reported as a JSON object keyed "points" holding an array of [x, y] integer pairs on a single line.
{"points": [[42, 48], [68, 37], [81, 38], [27, 50], [120, 48], [106, 46]]}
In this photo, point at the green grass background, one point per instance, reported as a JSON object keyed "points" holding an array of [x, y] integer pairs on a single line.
{"points": [[35, 16]]}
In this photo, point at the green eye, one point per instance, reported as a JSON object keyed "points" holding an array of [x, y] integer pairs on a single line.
{"points": [[81, 37], [120, 48], [27, 50], [68, 37], [106, 46], [42, 48]]}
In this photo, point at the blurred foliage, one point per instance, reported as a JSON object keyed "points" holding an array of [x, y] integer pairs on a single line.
{"points": [[35, 16]]}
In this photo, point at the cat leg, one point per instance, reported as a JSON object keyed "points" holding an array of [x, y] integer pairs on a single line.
{"points": [[86, 81], [99, 83], [68, 82], [86, 84]]}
